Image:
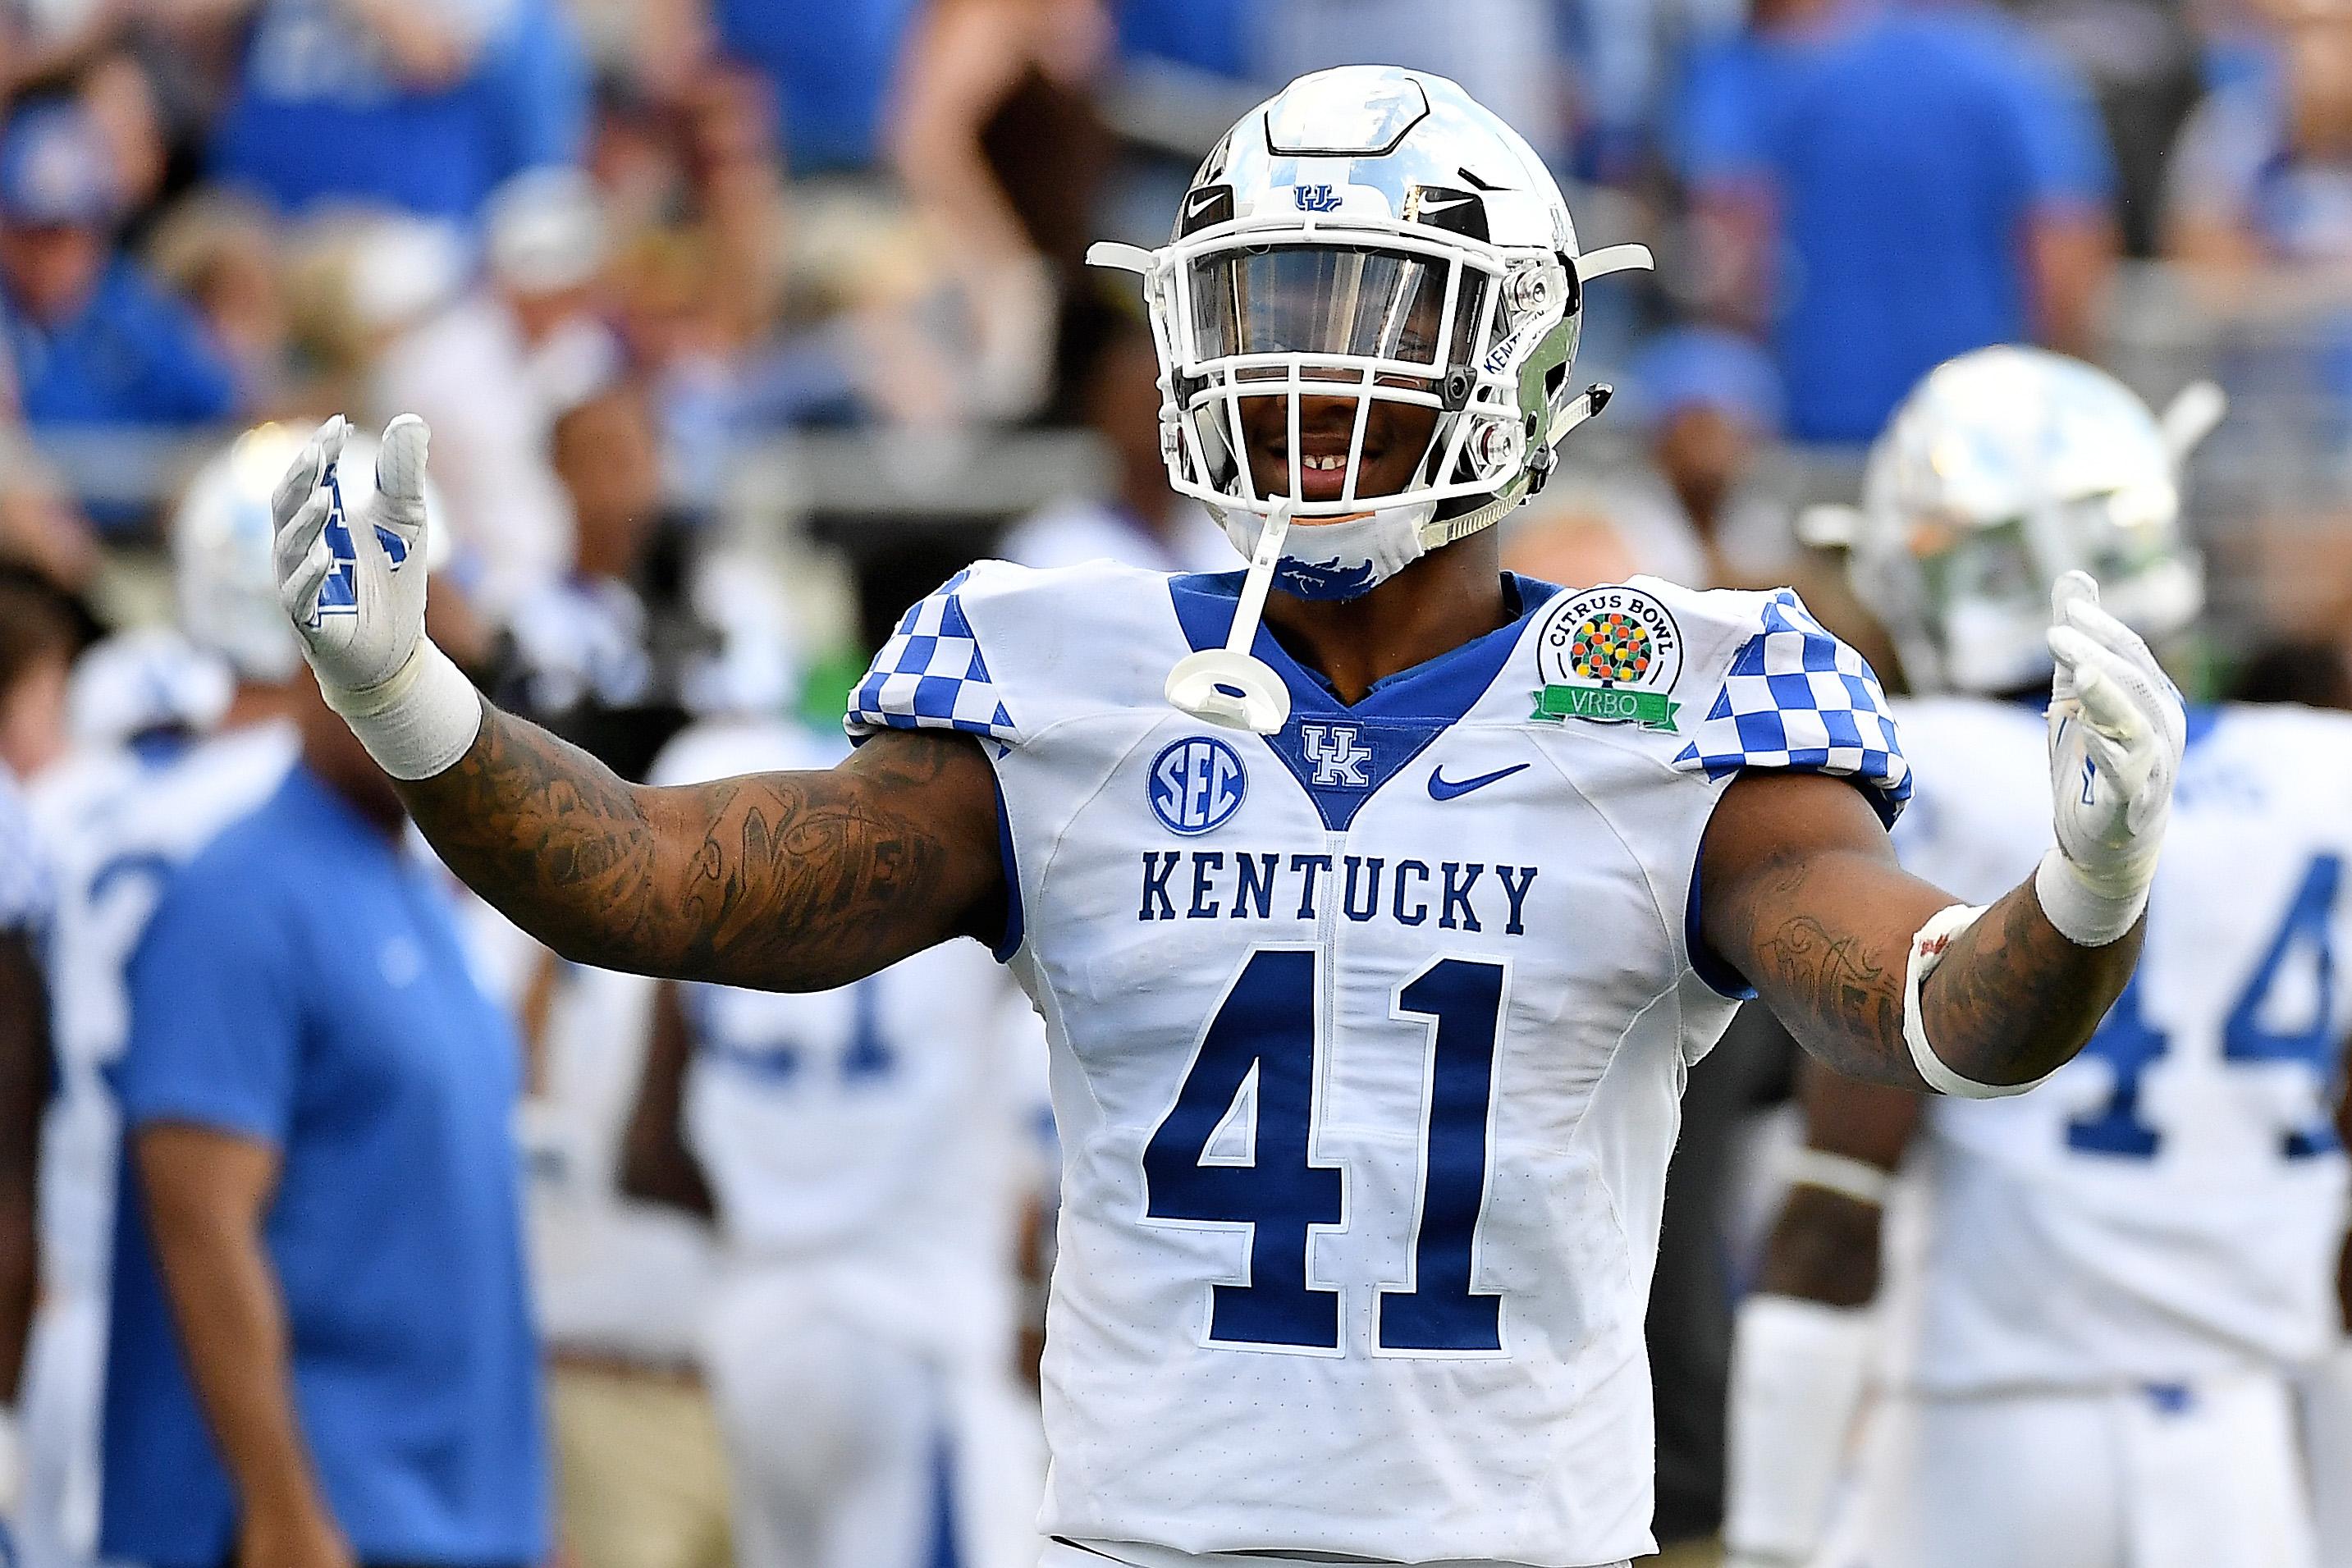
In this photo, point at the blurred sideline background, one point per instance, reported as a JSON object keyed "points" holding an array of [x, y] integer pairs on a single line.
{"points": [[743, 323]]}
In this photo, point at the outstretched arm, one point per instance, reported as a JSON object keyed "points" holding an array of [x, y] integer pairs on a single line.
{"points": [[783, 882], [1888, 979], [792, 882], [1804, 898]]}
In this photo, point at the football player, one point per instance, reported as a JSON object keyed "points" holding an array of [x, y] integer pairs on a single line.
{"points": [[1375, 901], [2120, 1272], [119, 820], [24, 1070], [863, 1153]]}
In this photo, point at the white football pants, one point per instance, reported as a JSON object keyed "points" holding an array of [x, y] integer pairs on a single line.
{"points": [[847, 1447], [2200, 1476]]}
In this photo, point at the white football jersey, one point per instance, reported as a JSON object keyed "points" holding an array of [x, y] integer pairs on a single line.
{"points": [[116, 823], [2171, 1203], [24, 889], [877, 1138], [1367, 1037]]}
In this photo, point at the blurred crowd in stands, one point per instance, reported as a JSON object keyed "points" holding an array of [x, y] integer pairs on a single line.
{"points": [[739, 324], [608, 247]]}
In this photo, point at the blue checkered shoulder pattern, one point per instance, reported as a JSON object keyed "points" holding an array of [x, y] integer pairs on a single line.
{"points": [[931, 674], [1799, 700], [25, 889]]}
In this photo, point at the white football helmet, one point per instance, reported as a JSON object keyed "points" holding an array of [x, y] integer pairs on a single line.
{"points": [[1368, 234], [2001, 471], [224, 575]]}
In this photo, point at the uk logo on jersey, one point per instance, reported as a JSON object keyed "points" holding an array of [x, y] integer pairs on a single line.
{"points": [[1339, 761], [1196, 785]]}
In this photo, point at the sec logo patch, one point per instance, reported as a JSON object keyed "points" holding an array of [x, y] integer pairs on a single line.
{"points": [[1196, 785]]}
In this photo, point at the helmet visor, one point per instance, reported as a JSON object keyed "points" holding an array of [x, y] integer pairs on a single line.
{"points": [[1334, 301]]}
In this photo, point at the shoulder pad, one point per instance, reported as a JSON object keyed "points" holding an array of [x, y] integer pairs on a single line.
{"points": [[1782, 693]]}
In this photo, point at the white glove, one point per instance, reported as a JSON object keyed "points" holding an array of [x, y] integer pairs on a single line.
{"points": [[2117, 734], [354, 586]]}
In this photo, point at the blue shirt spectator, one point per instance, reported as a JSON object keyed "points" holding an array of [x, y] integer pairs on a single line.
{"points": [[1913, 181], [1212, 36], [325, 111], [830, 64], [301, 988], [91, 341]]}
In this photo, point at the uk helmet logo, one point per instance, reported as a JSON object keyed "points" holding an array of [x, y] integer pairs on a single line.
{"points": [[1609, 655], [1315, 198], [1196, 785]]}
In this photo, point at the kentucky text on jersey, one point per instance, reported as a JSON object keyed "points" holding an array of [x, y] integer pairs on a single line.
{"points": [[1268, 885]]}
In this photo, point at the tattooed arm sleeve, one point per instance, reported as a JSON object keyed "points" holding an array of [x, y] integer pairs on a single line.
{"points": [[780, 880], [1804, 898]]}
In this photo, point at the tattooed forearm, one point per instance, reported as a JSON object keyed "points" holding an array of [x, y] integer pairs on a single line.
{"points": [[784, 881], [2012, 999], [1835, 980], [1804, 895]]}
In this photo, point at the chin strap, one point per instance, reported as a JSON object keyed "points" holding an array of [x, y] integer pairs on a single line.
{"points": [[1231, 686]]}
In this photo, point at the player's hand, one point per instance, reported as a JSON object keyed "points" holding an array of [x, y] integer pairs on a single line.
{"points": [[2117, 734], [354, 586]]}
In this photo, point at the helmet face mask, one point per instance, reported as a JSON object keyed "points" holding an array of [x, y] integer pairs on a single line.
{"points": [[1366, 317], [1364, 354]]}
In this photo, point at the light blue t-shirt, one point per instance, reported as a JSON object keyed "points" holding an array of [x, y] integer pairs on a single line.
{"points": [[130, 355], [830, 64], [1903, 150], [318, 117], [301, 985]]}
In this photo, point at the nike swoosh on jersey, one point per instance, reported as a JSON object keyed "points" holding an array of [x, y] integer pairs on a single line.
{"points": [[1441, 788]]}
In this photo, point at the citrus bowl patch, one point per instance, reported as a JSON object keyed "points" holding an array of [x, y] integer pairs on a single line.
{"points": [[1610, 655]]}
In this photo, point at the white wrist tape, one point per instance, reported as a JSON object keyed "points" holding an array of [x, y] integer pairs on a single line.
{"points": [[1928, 949], [420, 721], [1798, 1368], [2083, 914], [1840, 1174]]}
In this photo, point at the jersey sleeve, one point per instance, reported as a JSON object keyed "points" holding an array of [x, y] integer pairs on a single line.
{"points": [[1795, 699], [933, 673]]}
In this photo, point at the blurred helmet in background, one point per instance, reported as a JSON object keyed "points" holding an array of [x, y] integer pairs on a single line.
{"points": [[2002, 470], [1370, 232], [147, 680], [224, 570]]}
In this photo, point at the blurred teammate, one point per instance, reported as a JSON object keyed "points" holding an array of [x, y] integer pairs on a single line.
{"points": [[2121, 1268], [861, 1151], [120, 819], [25, 909], [1360, 891]]}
